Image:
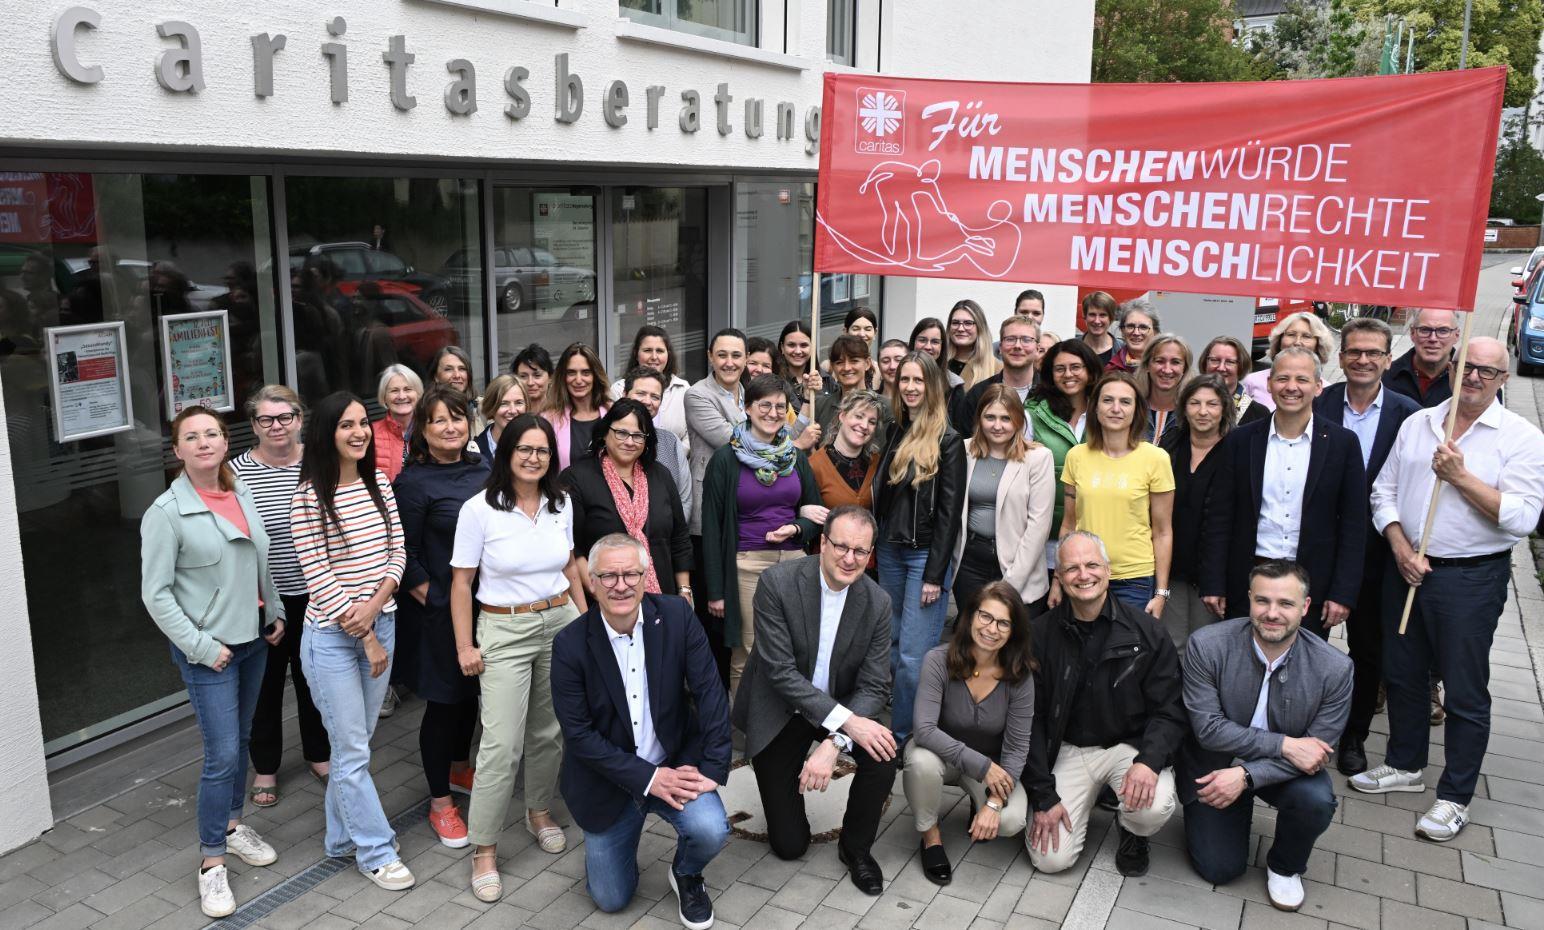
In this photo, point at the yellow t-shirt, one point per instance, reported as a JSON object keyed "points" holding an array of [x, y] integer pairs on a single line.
{"points": [[1112, 498]]}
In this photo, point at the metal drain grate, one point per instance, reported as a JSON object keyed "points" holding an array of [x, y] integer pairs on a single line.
{"points": [[296, 885]]}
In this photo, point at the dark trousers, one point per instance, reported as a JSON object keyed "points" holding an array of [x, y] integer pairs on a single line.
{"points": [[267, 745], [1364, 634], [1452, 625], [777, 778], [1218, 840], [978, 568], [712, 626], [445, 736]]}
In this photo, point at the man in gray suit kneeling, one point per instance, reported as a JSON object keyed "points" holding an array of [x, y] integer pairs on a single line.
{"points": [[820, 671]]}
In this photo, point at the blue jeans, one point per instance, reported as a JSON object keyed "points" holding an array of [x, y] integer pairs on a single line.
{"points": [[914, 629], [350, 701], [1452, 625], [611, 858], [1134, 591], [223, 702], [1218, 840]]}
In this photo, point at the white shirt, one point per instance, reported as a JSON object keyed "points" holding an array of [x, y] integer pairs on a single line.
{"points": [[1281, 493], [1365, 424], [1260, 720], [1501, 448], [519, 560], [628, 649], [831, 604]]}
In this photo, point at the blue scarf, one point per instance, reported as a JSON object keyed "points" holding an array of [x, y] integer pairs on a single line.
{"points": [[769, 461]]}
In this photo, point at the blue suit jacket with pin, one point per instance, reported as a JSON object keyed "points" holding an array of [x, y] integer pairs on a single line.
{"points": [[1335, 522], [1331, 405], [601, 769]]}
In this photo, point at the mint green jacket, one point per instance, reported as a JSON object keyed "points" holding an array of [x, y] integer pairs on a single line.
{"points": [[200, 577], [1055, 434]]}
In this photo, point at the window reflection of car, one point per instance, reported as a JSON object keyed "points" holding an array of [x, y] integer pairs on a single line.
{"points": [[528, 279], [199, 296], [357, 263], [418, 331]]}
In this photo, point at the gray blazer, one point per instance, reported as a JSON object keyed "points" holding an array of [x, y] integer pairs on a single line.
{"points": [[711, 416], [1310, 696], [776, 684]]}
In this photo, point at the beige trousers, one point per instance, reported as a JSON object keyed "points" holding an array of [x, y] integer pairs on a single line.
{"points": [[1185, 613], [1079, 774], [517, 716], [750, 565], [924, 780]]}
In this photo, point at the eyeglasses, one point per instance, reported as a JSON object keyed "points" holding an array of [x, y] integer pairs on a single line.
{"points": [[610, 579], [1370, 354], [1434, 332], [767, 406], [283, 419], [1136, 327], [1214, 362], [1483, 372], [962, 324], [624, 435], [533, 452], [922, 341], [1019, 340], [1003, 624], [843, 550]]}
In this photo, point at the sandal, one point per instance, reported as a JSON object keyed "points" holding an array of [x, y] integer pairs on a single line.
{"points": [[489, 886], [550, 839], [271, 791], [319, 776]]}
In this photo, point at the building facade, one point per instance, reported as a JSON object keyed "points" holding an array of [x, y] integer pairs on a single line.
{"points": [[321, 190]]}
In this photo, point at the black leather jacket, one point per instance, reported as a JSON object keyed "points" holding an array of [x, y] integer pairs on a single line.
{"points": [[926, 517]]}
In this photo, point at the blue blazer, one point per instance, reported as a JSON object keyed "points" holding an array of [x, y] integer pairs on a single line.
{"points": [[601, 770], [1397, 407], [1332, 539]]}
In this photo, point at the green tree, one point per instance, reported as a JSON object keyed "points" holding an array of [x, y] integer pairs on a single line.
{"points": [[1519, 177], [1316, 38], [1143, 41]]}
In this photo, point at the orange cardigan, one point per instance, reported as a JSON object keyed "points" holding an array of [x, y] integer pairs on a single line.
{"points": [[834, 490]]}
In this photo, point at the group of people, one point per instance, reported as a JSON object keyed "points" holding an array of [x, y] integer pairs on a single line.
{"points": [[610, 577]]}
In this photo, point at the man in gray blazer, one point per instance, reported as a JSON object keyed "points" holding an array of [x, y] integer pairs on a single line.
{"points": [[819, 671], [1267, 707]]}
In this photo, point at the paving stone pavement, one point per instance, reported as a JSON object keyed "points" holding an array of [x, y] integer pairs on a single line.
{"points": [[129, 861]]}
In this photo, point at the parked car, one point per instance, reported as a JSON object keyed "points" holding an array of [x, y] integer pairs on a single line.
{"points": [[527, 279], [200, 296], [1526, 334], [1521, 272], [357, 263], [418, 331]]}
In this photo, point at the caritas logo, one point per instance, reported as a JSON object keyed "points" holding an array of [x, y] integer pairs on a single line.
{"points": [[881, 124]]}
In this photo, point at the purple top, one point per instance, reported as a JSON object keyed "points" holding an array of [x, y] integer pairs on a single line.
{"points": [[764, 509]]}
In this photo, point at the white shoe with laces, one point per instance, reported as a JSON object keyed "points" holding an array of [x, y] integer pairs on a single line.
{"points": [[1385, 778], [1443, 821], [250, 847], [393, 876], [1285, 891], [214, 893]]}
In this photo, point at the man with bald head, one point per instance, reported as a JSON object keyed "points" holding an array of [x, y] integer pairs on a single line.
{"points": [[1494, 469], [1421, 374]]}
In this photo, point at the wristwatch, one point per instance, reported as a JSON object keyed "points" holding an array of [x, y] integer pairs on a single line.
{"points": [[1163, 593], [841, 741], [995, 804], [1248, 780]]}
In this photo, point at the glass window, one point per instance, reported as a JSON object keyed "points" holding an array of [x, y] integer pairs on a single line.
{"points": [[840, 16], [544, 280], [372, 281], [730, 20], [89, 248], [774, 228], [660, 275]]}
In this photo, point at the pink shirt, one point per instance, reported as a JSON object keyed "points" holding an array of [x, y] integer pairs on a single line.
{"points": [[226, 505]]}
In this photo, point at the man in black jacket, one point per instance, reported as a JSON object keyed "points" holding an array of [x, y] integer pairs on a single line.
{"points": [[1108, 711], [1421, 374]]}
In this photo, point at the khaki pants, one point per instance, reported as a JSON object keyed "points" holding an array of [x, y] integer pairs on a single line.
{"points": [[1185, 613], [1079, 774], [924, 780], [517, 716], [750, 565]]}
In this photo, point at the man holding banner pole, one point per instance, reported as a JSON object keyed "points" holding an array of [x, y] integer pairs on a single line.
{"points": [[1457, 558]]}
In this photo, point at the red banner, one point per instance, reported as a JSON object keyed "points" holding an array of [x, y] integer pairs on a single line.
{"points": [[1359, 189]]}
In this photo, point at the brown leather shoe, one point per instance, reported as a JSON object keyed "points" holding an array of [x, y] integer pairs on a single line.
{"points": [[1437, 713]]}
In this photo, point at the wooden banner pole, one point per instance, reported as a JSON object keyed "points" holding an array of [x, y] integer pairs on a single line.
{"points": [[1457, 379], [814, 337]]}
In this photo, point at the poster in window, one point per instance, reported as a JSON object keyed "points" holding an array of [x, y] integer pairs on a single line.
{"points": [[88, 376], [860, 286], [196, 352]]}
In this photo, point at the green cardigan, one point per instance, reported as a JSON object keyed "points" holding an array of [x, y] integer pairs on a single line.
{"points": [[1055, 434], [721, 531]]}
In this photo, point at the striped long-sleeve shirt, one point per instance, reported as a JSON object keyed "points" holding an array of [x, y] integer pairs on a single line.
{"points": [[273, 490], [346, 561]]}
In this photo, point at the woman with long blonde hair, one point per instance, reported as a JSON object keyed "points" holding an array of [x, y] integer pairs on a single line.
{"points": [[918, 494], [1162, 374], [970, 344]]}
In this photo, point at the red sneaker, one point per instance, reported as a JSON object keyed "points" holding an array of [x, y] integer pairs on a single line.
{"points": [[449, 827], [462, 781]]}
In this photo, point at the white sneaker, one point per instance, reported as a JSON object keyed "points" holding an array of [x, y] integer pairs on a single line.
{"points": [[389, 705], [1443, 821], [214, 893], [1285, 891], [250, 847], [393, 876], [1386, 778]]}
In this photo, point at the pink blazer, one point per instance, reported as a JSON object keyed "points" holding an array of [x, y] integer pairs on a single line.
{"points": [[559, 420]]}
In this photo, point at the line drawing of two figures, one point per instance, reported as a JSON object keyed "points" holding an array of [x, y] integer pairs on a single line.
{"points": [[919, 232]]}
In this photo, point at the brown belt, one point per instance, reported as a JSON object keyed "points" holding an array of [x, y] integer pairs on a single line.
{"points": [[557, 600]]}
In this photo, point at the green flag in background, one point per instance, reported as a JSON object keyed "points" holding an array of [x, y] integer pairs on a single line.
{"points": [[1390, 47]]}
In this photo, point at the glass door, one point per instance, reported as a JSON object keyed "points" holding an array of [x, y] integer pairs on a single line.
{"points": [[660, 271], [544, 279]]}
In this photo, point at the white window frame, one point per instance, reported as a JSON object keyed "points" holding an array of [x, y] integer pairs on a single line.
{"points": [[667, 18]]}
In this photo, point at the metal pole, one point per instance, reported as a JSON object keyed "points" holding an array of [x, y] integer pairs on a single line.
{"points": [[1463, 48]]}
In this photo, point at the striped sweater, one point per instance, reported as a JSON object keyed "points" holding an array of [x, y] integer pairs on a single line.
{"points": [[273, 489], [347, 563]]}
